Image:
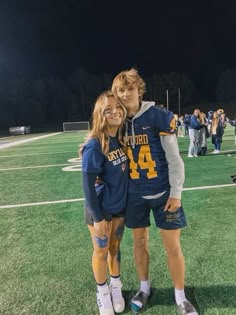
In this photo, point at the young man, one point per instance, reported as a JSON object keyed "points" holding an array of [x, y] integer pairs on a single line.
{"points": [[156, 182]]}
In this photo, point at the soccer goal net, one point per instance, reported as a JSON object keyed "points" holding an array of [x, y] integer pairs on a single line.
{"points": [[76, 126]]}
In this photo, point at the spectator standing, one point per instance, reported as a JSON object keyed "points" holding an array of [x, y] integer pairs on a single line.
{"points": [[217, 132], [187, 119], [194, 128], [203, 135]]}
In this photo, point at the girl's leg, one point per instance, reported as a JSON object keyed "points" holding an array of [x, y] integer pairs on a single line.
{"points": [[114, 258], [99, 266], [100, 252], [117, 230], [218, 145]]}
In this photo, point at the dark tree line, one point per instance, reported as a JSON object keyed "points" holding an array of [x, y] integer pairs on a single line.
{"points": [[50, 101]]}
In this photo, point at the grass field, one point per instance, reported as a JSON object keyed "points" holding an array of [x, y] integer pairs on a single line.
{"points": [[46, 248]]}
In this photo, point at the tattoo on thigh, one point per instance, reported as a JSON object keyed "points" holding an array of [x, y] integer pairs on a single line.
{"points": [[119, 256], [119, 232]]}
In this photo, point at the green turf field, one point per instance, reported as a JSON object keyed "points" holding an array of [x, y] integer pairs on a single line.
{"points": [[45, 251]]}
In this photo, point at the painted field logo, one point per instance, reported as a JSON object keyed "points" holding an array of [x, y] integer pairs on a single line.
{"points": [[76, 165]]}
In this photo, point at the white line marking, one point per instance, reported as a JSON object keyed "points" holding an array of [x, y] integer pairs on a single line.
{"points": [[82, 199], [15, 155], [7, 145], [72, 168], [75, 160], [41, 203], [27, 167], [50, 146], [208, 187], [224, 151]]}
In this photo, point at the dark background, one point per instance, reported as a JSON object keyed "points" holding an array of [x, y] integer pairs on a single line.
{"points": [[57, 56]]}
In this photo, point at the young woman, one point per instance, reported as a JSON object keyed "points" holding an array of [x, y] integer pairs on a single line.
{"points": [[194, 127], [156, 183], [105, 182], [217, 132]]}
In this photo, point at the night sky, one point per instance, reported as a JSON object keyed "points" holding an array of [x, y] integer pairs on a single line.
{"points": [[53, 38]]}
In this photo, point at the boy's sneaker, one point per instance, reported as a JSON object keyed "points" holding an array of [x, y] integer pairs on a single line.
{"points": [[186, 308], [139, 301], [190, 155], [104, 301], [116, 296]]}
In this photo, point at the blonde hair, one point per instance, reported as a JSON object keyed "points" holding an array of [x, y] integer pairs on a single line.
{"points": [[127, 77], [99, 124], [215, 119], [201, 117]]}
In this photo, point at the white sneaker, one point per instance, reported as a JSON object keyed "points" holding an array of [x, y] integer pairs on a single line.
{"points": [[104, 301], [116, 296], [190, 155]]}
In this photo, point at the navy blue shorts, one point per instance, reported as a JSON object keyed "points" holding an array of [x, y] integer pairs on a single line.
{"points": [[138, 213]]}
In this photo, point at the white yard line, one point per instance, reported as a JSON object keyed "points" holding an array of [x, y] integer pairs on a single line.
{"points": [[82, 199], [224, 151], [41, 147], [28, 167], [209, 187], [10, 144], [41, 203], [48, 153]]}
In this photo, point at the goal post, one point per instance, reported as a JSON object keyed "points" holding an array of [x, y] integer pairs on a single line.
{"points": [[75, 126]]}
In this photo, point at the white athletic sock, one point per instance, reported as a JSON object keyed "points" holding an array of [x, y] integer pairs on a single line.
{"points": [[114, 279], [180, 296], [145, 286], [101, 287]]}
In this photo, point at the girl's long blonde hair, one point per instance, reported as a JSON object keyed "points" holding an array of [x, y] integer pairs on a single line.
{"points": [[99, 124], [215, 119]]}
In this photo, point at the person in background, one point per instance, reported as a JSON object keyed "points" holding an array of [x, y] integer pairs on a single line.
{"points": [[233, 123], [222, 116], [177, 124], [195, 126], [203, 135], [209, 120], [156, 183], [181, 126], [187, 119], [104, 157], [217, 132]]}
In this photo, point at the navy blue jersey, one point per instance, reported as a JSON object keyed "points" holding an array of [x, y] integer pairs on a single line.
{"points": [[148, 165], [113, 172]]}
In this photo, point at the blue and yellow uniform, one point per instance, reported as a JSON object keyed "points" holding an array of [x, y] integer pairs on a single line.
{"points": [[108, 197], [156, 168]]}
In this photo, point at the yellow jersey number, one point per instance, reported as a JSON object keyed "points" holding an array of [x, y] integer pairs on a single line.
{"points": [[145, 161]]}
